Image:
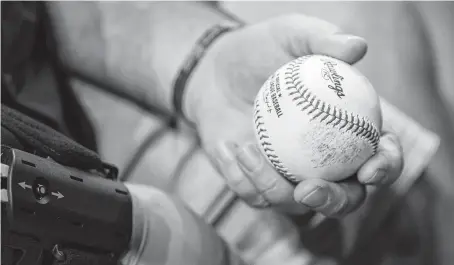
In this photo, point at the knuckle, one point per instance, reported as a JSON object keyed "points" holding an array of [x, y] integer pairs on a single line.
{"points": [[247, 195], [278, 194], [392, 145], [339, 208], [257, 175], [388, 157], [393, 138], [234, 178], [260, 203], [236, 182], [268, 187], [393, 158]]}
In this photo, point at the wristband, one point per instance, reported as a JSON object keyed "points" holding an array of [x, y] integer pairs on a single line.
{"points": [[192, 61]]}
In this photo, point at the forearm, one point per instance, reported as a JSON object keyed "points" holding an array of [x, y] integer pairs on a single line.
{"points": [[165, 231], [138, 46]]}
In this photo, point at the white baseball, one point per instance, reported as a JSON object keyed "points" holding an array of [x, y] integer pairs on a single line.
{"points": [[317, 117]]}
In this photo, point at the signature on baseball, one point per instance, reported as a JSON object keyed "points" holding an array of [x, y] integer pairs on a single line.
{"points": [[331, 146], [329, 73]]}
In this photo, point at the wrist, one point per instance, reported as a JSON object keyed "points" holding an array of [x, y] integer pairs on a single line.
{"points": [[198, 71], [175, 38], [196, 89]]}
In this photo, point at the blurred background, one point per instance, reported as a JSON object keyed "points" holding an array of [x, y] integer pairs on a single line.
{"points": [[410, 62]]}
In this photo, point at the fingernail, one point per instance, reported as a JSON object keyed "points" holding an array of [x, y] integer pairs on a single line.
{"points": [[379, 176], [226, 161], [316, 196], [250, 158], [225, 152], [346, 40], [347, 37]]}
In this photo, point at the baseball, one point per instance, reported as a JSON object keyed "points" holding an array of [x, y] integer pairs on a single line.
{"points": [[317, 117]]}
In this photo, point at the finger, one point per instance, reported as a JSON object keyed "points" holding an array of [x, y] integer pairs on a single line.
{"points": [[345, 47], [266, 180], [224, 158], [310, 35], [386, 165], [330, 199]]}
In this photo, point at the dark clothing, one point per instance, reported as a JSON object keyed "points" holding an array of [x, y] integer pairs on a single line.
{"points": [[40, 112], [32, 81]]}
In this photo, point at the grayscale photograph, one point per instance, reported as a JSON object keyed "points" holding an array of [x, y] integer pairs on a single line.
{"points": [[227, 133]]}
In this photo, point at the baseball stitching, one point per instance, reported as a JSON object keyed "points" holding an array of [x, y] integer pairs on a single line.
{"points": [[308, 101], [267, 146]]}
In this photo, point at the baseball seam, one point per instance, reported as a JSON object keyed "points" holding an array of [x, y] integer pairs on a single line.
{"points": [[326, 113], [267, 147]]}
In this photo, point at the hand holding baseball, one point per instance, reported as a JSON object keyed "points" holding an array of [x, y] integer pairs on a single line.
{"points": [[221, 97]]}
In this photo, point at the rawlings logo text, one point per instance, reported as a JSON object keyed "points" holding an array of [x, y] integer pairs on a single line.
{"points": [[329, 73]]}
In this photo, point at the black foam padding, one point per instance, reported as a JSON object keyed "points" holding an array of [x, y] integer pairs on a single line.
{"points": [[33, 135]]}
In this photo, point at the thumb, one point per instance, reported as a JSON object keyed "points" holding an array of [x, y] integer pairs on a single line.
{"points": [[303, 35]]}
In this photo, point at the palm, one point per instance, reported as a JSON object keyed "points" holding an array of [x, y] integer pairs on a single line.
{"points": [[245, 60], [238, 66], [241, 63], [232, 109]]}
